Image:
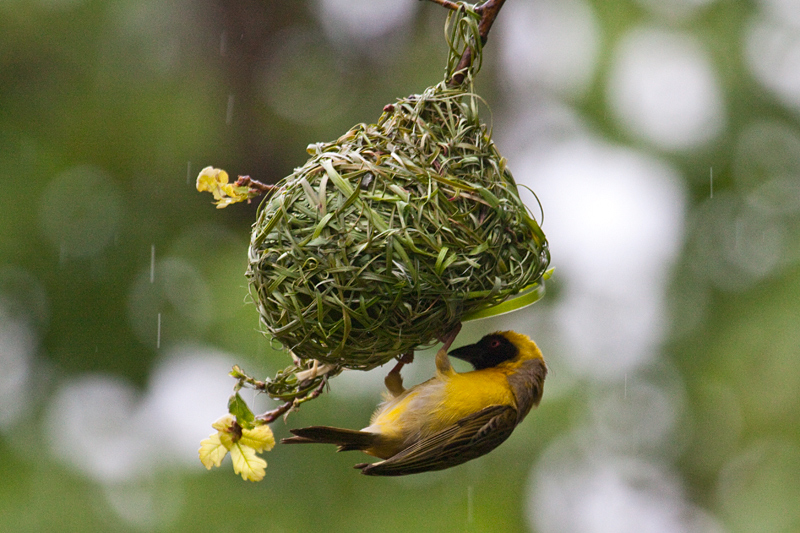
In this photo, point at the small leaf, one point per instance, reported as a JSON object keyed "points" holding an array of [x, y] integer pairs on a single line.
{"points": [[440, 260], [247, 463], [212, 451], [227, 439], [223, 423], [531, 294], [238, 408], [259, 438]]}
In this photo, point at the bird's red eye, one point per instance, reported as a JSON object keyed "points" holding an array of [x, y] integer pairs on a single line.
{"points": [[494, 344]]}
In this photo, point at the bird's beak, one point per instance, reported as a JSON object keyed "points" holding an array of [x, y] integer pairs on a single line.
{"points": [[469, 353]]}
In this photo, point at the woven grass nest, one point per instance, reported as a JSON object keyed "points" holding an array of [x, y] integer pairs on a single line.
{"points": [[388, 237]]}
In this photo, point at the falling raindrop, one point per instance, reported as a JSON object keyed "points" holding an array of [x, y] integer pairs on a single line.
{"points": [[223, 43], [470, 515], [188, 172], [158, 333], [229, 113], [152, 263], [179, 293], [711, 182]]}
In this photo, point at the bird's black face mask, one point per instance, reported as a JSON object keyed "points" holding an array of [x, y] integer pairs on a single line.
{"points": [[488, 352]]}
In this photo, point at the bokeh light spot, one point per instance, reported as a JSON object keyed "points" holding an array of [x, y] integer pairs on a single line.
{"points": [[582, 490], [550, 44], [90, 426], [662, 87], [188, 390], [302, 81], [772, 50], [80, 211], [614, 220], [676, 10], [736, 245], [363, 19], [18, 344], [640, 419]]}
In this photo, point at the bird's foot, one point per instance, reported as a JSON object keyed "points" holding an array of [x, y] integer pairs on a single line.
{"points": [[448, 338], [443, 366], [394, 381]]}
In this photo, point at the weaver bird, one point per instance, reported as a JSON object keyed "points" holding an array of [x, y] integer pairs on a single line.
{"points": [[451, 418]]}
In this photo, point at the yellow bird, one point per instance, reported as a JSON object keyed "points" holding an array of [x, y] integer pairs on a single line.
{"points": [[451, 418]]}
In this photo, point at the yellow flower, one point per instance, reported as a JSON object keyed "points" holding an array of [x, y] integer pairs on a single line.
{"points": [[242, 443], [215, 181]]}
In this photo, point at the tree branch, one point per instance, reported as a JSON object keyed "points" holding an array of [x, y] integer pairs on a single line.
{"points": [[446, 3], [254, 185], [271, 416], [488, 12]]}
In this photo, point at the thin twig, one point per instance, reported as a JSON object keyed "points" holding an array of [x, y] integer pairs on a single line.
{"points": [[313, 394], [247, 181], [446, 3], [271, 416], [238, 373], [488, 12]]}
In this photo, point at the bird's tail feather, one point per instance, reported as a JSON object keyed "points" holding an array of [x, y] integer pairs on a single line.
{"points": [[346, 439]]}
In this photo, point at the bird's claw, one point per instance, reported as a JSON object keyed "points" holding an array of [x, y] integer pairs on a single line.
{"points": [[406, 358], [394, 381]]}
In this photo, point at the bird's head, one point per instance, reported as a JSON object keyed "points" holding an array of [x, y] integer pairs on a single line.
{"points": [[507, 348]]}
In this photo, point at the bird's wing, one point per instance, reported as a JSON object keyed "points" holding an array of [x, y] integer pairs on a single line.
{"points": [[470, 437], [527, 384]]}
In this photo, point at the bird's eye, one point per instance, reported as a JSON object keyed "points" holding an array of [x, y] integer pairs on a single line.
{"points": [[494, 343]]}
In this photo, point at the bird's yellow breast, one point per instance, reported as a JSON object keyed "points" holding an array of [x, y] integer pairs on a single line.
{"points": [[436, 404], [470, 392]]}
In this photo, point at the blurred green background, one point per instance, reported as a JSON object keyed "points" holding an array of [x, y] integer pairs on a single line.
{"points": [[661, 137]]}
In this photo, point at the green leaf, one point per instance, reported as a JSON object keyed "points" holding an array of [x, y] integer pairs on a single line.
{"points": [[238, 408], [531, 295]]}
